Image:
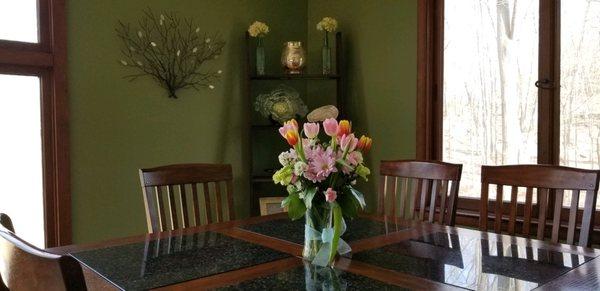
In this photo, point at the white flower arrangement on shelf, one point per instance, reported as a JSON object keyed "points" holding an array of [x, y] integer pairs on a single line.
{"points": [[328, 24], [258, 29]]}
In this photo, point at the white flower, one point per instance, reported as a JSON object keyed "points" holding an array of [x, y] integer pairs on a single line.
{"points": [[328, 24], [178, 52], [140, 34], [152, 43], [258, 29], [162, 17], [195, 50], [139, 63], [161, 22], [124, 62], [219, 72], [287, 158], [299, 168], [207, 40], [211, 87], [197, 29]]}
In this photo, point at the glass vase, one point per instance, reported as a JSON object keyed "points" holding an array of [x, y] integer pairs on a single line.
{"points": [[326, 56], [316, 221], [260, 58]]}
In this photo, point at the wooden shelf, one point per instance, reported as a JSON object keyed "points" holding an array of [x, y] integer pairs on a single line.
{"points": [[262, 179], [295, 77]]}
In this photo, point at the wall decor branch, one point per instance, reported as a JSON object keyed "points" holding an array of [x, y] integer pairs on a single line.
{"points": [[170, 49]]}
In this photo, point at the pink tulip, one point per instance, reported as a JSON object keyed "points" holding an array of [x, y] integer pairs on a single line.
{"points": [[330, 195], [331, 126], [311, 130], [348, 142]]}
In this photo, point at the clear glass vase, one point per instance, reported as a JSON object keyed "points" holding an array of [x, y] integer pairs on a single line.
{"points": [[260, 58], [316, 219], [326, 56]]}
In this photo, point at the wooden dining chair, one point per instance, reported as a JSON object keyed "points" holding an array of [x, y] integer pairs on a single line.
{"points": [[26, 267], [6, 222], [175, 183], [550, 183], [432, 186]]}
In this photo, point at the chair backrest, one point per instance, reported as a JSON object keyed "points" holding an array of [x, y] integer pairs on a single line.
{"points": [[26, 267], [550, 183], [433, 186], [173, 183], [6, 222]]}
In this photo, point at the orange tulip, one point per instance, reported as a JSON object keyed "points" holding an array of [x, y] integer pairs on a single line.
{"points": [[292, 137], [364, 144], [344, 128]]}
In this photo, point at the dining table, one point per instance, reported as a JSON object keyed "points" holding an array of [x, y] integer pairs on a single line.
{"points": [[388, 253]]}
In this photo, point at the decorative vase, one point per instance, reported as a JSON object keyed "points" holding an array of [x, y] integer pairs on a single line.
{"points": [[293, 57], [326, 55], [316, 221], [260, 57]]}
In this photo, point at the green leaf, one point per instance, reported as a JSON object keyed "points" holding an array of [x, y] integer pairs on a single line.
{"points": [[309, 194], [348, 204], [337, 230], [296, 207], [359, 197]]}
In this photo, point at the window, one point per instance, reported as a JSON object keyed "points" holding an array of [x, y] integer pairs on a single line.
{"points": [[33, 117], [516, 82]]}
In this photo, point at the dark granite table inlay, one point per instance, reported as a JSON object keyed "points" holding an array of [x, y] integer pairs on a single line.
{"points": [[308, 277], [167, 261], [473, 263], [293, 231]]}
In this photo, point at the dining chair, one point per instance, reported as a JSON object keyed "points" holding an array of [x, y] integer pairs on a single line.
{"points": [[550, 183], [432, 186], [174, 183], [25, 267], [6, 222]]}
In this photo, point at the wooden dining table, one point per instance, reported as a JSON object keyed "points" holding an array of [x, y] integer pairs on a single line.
{"points": [[265, 253]]}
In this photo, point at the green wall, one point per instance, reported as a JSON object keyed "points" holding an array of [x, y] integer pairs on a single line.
{"points": [[118, 127], [380, 49]]}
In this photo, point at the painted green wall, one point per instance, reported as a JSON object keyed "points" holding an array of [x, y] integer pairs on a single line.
{"points": [[118, 127], [380, 43]]}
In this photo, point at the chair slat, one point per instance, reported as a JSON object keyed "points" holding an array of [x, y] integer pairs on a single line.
{"points": [[543, 207], [207, 203], [573, 217], [443, 194], [434, 190], [452, 202], [417, 186], [558, 201], [172, 207], [196, 207], [424, 191], [151, 208], [161, 209], [513, 210], [219, 203], [393, 188], [185, 221], [498, 212], [483, 218], [403, 193], [229, 189], [587, 218], [527, 211]]}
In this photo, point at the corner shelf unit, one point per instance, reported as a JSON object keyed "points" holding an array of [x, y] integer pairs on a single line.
{"points": [[261, 178]]}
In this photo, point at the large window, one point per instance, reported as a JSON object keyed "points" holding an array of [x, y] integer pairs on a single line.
{"points": [[34, 159], [515, 82]]}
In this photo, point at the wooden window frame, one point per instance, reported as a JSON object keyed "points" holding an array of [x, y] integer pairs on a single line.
{"points": [[47, 60], [430, 68]]}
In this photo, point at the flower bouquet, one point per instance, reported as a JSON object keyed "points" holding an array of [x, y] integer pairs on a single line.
{"points": [[319, 176]]}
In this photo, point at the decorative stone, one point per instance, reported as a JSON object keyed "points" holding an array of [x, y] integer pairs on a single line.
{"points": [[322, 113]]}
